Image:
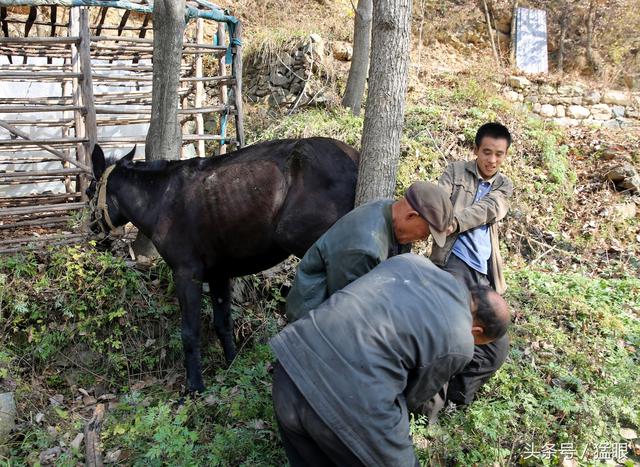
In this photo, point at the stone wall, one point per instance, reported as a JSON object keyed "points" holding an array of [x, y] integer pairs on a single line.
{"points": [[572, 104], [294, 74]]}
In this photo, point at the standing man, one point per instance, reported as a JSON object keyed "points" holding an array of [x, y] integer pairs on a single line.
{"points": [[350, 370], [480, 196], [364, 238]]}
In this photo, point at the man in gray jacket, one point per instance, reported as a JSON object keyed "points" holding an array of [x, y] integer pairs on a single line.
{"points": [[480, 197], [364, 238], [350, 370]]}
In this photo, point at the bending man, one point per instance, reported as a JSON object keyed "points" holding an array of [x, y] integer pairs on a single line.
{"points": [[350, 370], [364, 238]]}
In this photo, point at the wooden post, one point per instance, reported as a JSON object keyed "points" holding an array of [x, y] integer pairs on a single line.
{"points": [[237, 73], [66, 91], [93, 456], [224, 98], [185, 108], [199, 100], [87, 81], [78, 121], [513, 32], [490, 29]]}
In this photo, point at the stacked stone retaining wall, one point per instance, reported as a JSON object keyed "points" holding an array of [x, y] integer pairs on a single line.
{"points": [[572, 104]]}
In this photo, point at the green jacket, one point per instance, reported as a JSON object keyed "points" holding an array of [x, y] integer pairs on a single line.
{"points": [[353, 246], [378, 349], [460, 180]]}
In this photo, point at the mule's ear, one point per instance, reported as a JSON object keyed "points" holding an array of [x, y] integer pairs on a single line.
{"points": [[129, 156], [98, 162]]}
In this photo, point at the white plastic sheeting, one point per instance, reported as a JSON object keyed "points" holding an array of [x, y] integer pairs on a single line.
{"points": [[39, 89]]}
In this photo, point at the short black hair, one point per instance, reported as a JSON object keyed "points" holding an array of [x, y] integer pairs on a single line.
{"points": [[495, 324], [493, 130]]}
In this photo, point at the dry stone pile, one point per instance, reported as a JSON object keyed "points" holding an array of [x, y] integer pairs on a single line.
{"points": [[294, 75]]}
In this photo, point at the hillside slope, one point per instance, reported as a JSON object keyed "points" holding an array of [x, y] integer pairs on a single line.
{"points": [[80, 327]]}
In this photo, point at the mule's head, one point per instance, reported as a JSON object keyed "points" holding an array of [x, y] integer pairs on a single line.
{"points": [[105, 215]]}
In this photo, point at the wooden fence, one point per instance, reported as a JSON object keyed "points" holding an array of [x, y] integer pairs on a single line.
{"points": [[104, 74]]}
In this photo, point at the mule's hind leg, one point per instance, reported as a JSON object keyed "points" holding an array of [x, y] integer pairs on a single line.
{"points": [[189, 292], [222, 320]]}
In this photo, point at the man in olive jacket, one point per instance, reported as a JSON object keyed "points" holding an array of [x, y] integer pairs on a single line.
{"points": [[480, 196], [364, 238], [350, 370]]}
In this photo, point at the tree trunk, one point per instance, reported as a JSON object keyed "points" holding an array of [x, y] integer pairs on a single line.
{"points": [[360, 60], [590, 27], [164, 138], [514, 22], [564, 17], [384, 115]]}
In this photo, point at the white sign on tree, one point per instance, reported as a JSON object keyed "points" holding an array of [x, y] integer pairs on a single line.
{"points": [[531, 40]]}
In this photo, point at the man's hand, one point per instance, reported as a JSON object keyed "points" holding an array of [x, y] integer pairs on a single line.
{"points": [[452, 228]]}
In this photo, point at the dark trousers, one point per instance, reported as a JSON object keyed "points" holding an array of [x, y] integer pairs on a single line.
{"points": [[488, 358], [307, 440]]}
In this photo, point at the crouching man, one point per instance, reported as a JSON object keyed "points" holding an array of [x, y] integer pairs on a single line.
{"points": [[351, 370]]}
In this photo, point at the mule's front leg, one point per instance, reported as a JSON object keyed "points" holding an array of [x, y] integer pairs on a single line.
{"points": [[189, 291], [222, 320]]}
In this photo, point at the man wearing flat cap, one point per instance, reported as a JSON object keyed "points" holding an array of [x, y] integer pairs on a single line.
{"points": [[364, 238]]}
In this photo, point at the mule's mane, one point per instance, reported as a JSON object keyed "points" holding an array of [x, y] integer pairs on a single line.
{"points": [[153, 166]]}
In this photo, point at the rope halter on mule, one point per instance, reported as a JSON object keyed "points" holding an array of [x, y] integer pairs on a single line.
{"points": [[100, 209]]}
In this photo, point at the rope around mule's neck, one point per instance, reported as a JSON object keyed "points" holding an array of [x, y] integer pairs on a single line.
{"points": [[102, 197]]}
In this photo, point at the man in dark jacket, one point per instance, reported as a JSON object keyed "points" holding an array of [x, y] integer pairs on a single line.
{"points": [[480, 197], [350, 370], [364, 238]]}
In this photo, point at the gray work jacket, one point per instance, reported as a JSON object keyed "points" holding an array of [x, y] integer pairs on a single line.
{"points": [[353, 246], [382, 346], [460, 180]]}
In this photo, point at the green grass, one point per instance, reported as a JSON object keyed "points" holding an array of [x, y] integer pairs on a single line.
{"points": [[77, 318], [571, 377]]}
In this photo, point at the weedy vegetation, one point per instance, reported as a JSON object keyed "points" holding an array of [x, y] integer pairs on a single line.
{"points": [[80, 327]]}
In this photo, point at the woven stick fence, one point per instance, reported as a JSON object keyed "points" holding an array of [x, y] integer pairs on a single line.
{"points": [[97, 55]]}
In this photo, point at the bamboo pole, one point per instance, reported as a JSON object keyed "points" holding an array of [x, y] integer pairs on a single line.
{"points": [[86, 86], [41, 238], [38, 75], [43, 122], [138, 40], [40, 40], [19, 161], [199, 97], [138, 111], [43, 222], [40, 173], [41, 143], [39, 209], [35, 247], [237, 73], [222, 69], [38, 108], [79, 123], [37, 23], [29, 200], [44, 146]]}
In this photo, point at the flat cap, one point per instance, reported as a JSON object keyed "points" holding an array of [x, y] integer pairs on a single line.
{"points": [[433, 204]]}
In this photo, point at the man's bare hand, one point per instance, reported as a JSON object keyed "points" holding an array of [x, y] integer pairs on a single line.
{"points": [[452, 228]]}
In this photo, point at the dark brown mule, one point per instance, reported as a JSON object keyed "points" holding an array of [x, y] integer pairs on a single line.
{"points": [[212, 219]]}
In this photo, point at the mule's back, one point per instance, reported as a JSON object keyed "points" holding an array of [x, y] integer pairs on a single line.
{"points": [[250, 209], [322, 189]]}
